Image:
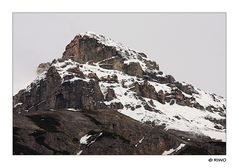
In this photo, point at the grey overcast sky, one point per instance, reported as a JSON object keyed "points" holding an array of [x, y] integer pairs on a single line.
{"points": [[189, 46]]}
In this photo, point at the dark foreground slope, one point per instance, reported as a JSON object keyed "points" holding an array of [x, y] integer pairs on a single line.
{"points": [[98, 132]]}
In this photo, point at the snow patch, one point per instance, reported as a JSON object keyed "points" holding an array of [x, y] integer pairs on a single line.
{"points": [[18, 104], [84, 139], [79, 152], [206, 99], [173, 150], [72, 109], [140, 141]]}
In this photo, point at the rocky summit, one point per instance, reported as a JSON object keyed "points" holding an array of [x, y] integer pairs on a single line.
{"points": [[102, 97]]}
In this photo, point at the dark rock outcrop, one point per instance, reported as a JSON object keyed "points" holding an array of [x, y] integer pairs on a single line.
{"points": [[116, 105], [80, 95], [110, 95], [76, 71], [212, 108], [148, 91], [51, 93], [161, 97], [198, 106], [133, 69], [145, 90], [165, 80], [93, 76], [110, 79], [189, 89], [85, 49]]}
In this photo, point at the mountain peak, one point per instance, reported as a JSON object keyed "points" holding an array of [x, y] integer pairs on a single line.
{"points": [[98, 74], [106, 41], [98, 49]]}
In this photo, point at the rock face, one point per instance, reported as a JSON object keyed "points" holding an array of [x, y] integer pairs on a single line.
{"points": [[148, 91], [133, 69], [110, 95], [186, 88], [161, 97], [84, 49], [102, 97], [51, 93], [145, 90]]}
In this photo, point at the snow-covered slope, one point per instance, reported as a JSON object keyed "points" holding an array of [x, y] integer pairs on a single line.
{"points": [[173, 116]]}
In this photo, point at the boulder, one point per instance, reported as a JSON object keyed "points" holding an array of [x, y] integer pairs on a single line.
{"points": [[147, 107], [93, 76], [110, 95], [133, 69], [179, 95], [145, 90], [151, 103], [198, 106], [172, 101], [161, 97], [110, 79], [168, 79], [210, 108], [116, 105], [123, 83], [148, 91], [189, 102], [189, 89], [180, 98], [151, 65]]}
